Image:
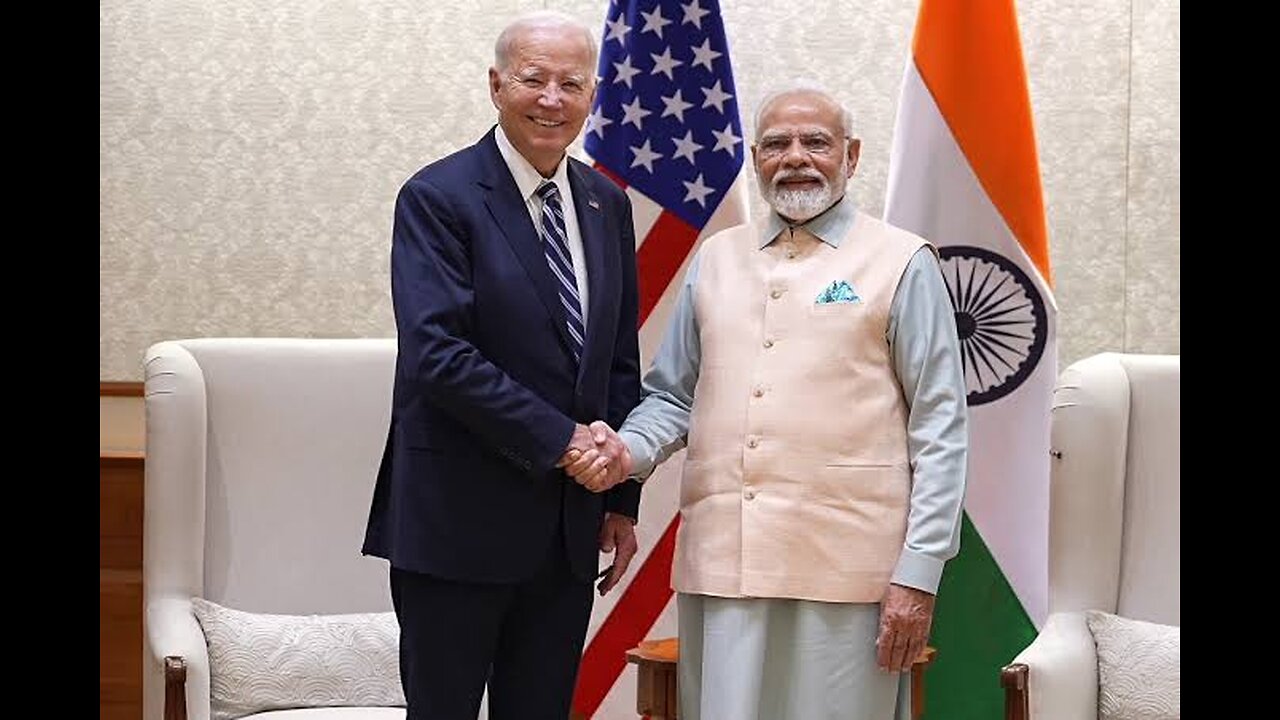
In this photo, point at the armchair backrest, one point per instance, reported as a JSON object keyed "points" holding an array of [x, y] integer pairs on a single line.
{"points": [[1114, 530], [261, 458]]}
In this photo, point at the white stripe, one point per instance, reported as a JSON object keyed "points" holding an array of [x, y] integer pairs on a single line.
{"points": [[565, 273], [577, 336], [556, 224], [659, 503], [573, 311], [557, 221], [933, 191], [565, 284], [620, 702], [564, 269], [731, 211], [644, 214]]}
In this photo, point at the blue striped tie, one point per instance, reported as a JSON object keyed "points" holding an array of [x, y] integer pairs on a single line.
{"points": [[555, 245]]}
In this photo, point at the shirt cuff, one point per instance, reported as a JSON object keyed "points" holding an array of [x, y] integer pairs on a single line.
{"points": [[919, 571], [641, 459]]}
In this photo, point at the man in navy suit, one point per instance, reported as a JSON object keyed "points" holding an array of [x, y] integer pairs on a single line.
{"points": [[516, 307]]}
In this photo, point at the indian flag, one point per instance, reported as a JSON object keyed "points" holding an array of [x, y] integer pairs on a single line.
{"points": [[963, 173]]}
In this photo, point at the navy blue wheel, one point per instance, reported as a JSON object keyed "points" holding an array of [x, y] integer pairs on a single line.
{"points": [[1001, 319]]}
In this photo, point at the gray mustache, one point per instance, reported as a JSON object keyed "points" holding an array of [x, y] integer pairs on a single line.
{"points": [[798, 175]]}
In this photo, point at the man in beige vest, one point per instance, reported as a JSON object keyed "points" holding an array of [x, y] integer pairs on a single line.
{"points": [[812, 367]]}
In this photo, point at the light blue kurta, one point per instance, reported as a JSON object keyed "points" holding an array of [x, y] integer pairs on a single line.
{"points": [[815, 660]]}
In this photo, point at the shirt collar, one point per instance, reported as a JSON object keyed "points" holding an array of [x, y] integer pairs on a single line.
{"points": [[527, 178], [830, 226]]}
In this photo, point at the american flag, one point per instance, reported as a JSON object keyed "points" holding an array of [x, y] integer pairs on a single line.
{"points": [[665, 126]]}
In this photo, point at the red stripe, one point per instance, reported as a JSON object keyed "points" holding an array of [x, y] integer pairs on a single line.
{"points": [[658, 260], [661, 254], [660, 257], [616, 178], [637, 610]]}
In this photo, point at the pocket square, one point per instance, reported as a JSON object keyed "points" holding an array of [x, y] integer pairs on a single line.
{"points": [[838, 291]]}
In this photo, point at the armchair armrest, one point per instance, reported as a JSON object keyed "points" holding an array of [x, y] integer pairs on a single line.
{"points": [[176, 651], [1056, 676]]}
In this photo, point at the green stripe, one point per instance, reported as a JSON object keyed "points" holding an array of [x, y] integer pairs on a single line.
{"points": [[979, 625]]}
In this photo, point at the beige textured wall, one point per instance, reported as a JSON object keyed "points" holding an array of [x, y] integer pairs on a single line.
{"points": [[250, 150]]}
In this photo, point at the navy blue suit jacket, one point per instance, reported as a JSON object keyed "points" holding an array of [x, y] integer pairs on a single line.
{"points": [[486, 388]]}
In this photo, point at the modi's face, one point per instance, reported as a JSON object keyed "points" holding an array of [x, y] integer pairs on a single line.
{"points": [[802, 156]]}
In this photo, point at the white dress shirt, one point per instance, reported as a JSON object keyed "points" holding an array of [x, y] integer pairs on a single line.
{"points": [[528, 179]]}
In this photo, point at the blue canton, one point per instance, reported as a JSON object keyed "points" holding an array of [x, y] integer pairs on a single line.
{"points": [[665, 118]]}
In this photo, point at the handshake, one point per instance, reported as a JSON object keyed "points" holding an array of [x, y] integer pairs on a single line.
{"points": [[596, 457]]}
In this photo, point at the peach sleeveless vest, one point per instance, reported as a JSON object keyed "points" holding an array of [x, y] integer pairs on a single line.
{"points": [[796, 482]]}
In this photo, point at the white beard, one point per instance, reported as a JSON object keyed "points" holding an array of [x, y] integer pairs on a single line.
{"points": [[801, 205]]}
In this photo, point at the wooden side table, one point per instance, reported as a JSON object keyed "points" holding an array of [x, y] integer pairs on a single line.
{"points": [[657, 695]]}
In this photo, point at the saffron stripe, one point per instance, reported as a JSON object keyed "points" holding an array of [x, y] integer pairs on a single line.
{"points": [[969, 56]]}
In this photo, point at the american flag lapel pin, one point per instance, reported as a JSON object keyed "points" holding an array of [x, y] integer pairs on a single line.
{"points": [[592, 202]]}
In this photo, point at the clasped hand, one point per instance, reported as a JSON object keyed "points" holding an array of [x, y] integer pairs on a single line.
{"points": [[596, 457]]}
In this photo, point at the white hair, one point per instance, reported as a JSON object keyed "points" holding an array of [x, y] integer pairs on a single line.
{"points": [[538, 19], [805, 87]]}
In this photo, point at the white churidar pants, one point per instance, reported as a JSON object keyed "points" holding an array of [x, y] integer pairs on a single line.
{"points": [[779, 659]]}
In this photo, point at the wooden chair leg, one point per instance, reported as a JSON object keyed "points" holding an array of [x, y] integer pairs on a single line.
{"points": [[175, 688], [1017, 697]]}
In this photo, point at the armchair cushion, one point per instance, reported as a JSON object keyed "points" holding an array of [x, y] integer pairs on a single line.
{"points": [[260, 662], [1139, 676]]}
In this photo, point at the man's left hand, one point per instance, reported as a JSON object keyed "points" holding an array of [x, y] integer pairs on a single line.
{"points": [[617, 535], [906, 614]]}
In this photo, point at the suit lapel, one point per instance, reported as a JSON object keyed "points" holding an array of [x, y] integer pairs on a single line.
{"points": [[591, 225], [511, 215]]}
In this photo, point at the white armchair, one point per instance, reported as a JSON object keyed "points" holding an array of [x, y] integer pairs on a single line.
{"points": [[1114, 541], [261, 456]]}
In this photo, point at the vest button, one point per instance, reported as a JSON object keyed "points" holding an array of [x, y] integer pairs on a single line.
{"points": [[752, 443], [750, 495], [758, 392], [791, 254], [775, 294], [768, 343]]}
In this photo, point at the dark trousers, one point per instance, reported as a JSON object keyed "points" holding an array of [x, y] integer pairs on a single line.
{"points": [[523, 639]]}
